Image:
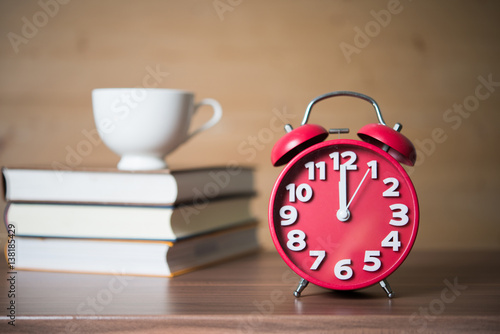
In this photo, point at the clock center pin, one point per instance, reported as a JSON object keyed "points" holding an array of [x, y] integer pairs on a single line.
{"points": [[343, 215]]}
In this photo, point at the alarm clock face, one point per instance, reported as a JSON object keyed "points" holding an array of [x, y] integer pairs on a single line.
{"points": [[343, 214]]}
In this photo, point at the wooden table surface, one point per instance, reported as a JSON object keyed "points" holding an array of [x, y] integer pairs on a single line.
{"points": [[435, 292]]}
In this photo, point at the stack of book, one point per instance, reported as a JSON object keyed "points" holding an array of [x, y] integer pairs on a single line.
{"points": [[158, 223]]}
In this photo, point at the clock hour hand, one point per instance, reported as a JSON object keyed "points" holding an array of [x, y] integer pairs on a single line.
{"points": [[343, 213]]}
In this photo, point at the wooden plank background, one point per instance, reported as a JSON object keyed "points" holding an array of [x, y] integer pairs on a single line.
{"points": [[431, 65]]}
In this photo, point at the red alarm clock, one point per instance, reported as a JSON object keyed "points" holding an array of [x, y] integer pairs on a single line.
{"points": [[343, 214]]}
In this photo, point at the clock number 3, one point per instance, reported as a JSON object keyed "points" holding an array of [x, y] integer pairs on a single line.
{"points": [[288, 215], [399, 215]]}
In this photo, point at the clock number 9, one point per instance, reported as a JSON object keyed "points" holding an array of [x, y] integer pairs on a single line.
{"points": [[288, 215]]}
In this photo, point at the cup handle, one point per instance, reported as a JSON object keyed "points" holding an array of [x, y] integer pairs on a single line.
{"points": [[212, 121]]}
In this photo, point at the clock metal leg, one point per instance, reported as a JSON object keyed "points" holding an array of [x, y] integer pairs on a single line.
{"points": [[387, 288], [302, 285]]}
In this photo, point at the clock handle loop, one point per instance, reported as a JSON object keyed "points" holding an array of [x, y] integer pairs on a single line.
{"points": [[343, 93], [381, 135]]}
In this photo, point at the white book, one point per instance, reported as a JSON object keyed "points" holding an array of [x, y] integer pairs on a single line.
{"points": [[126, 222], [112, 186], [143, 258]]}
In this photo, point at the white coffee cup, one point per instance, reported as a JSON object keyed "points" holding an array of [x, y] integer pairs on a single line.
{"points": [[143, 125]]}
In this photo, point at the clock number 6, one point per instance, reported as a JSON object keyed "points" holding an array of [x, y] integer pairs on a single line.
{"points": [[342, 270]]}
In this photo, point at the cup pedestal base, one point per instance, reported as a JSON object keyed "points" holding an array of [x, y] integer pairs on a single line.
{"points": [[141, 162]]}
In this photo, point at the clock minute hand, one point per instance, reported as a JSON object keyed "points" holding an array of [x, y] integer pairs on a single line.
{"points": [[359, 186], [343, 213]]}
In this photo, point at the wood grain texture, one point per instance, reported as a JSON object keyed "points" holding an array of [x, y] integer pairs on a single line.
{"points": [[445, 292], [264, 61]]}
